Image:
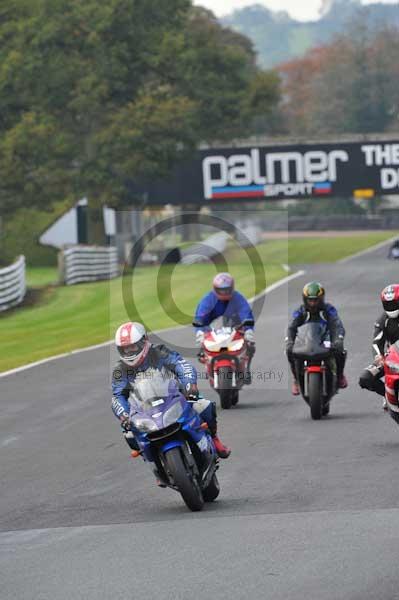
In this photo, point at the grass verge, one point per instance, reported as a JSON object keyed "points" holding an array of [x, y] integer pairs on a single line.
{"points": [[67, 318]]}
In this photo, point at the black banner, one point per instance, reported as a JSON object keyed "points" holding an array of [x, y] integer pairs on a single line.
{"points": [[267, 173]]}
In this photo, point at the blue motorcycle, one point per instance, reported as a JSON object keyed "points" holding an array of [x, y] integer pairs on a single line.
{"points": [[173, 438]]}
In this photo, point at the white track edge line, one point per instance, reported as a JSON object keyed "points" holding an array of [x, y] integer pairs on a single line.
{"points": [[367, 250], [267, 290]]}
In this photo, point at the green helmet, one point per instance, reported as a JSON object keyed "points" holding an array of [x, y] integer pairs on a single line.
{"points": [[313, 295]]}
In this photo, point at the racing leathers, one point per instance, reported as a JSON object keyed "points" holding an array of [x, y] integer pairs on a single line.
{"points": [[160, 357], [386, 332], [328, 315], [237, 310]]}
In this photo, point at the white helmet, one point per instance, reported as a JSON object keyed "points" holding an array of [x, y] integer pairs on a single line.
{"points": [[132, 343]]}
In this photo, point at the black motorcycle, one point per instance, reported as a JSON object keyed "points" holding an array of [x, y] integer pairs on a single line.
{"points": [[315, 367]]}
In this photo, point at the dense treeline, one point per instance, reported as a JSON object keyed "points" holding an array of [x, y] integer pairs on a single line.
{"points": [[93, 94], [279, 38], [348, 86]]}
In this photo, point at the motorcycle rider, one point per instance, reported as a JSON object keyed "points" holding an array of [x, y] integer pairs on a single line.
{"points": [[314, 308], [386, 332], [137, 355], [224, 300]]}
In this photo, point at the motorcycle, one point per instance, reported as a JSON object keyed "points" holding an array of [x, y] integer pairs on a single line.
{"points": [[173, 438], [391, 377], [224, 353], [315, 368], [394, 251]]}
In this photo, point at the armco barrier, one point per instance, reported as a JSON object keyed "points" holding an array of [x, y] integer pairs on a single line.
{"points": [[87, 263], [200, 252], [12, 284]]}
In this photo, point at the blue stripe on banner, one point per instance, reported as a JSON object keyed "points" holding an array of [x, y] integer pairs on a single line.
{"points": [[233, 188], [322, 186]]}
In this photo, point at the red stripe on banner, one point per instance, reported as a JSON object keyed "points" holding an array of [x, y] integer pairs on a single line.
{"points": [[256, 194], [320, 192]]}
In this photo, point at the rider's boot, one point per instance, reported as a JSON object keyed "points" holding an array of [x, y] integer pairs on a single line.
{"points": [[247, 377], [342, 382], [222, 450], [295, 388], [248, 372]]}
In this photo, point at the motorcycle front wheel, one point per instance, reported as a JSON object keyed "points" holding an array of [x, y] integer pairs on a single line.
{"points": [[212, 491], [226, 393], [184, 481], [315, 396]]}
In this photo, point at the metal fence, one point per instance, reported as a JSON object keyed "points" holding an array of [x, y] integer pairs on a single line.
{"points": [[215, 244], [245, 235], [88, 263], [12, 284]]}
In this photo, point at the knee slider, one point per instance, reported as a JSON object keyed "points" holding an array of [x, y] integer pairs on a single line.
{"points": [[366, 380]]}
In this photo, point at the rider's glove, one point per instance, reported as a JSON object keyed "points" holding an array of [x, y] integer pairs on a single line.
{"points": [[199, 338], [191, 391], [125, 421], [378, 360], [249, 336]]}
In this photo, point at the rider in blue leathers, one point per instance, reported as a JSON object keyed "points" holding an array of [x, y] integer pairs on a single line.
{"points": [[225, 301], [138, 355]]}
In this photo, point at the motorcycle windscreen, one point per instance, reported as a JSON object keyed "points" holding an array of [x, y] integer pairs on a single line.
{"points": [[153, 387], [310, 341], [224, 324]]}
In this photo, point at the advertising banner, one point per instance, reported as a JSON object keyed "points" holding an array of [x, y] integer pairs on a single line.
{"points": [[218, 175]]}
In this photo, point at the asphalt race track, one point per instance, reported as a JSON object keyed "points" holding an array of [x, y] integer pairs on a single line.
{"points": [[307, 509]]}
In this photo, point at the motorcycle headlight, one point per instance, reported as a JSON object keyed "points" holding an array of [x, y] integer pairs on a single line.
{"points": [[211, 345], [144, 425], [394, 367], [236, 345], [172, 414]]}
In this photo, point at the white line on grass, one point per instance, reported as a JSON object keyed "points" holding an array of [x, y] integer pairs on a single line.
{"points": [[367, 250], [267, 290]]}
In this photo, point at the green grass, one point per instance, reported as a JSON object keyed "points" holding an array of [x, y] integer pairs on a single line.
{"points": [[66, 318], [73, 317], [324, 250], [41, 276], [313, 250]]}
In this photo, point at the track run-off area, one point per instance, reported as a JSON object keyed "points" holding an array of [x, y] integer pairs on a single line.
{"points": [[306, 510]]}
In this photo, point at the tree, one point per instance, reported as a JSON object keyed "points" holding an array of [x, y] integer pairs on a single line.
{"points": [[348, 86], [69, 75], [95, 94]]}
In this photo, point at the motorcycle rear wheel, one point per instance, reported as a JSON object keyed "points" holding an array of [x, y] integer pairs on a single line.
{"points": [[187, 485], [315, 396], [234, 397]]}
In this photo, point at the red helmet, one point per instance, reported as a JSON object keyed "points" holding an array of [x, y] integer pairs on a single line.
{"points": [[223, 286], [132, 343], [390, 300]]}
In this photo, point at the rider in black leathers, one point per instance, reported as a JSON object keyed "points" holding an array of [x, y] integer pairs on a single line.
{"points": [[314, 308], [386, 332]]}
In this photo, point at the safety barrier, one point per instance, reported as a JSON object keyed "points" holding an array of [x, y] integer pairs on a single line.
{"points": [[215, 244], [87, 263], [12, 284]]}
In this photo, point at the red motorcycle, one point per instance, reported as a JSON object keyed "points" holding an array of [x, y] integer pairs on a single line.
{"points": [[224, 353], [391, 374]]}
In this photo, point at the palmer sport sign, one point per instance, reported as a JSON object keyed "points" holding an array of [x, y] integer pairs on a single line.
{"points": [[281, 172]]}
